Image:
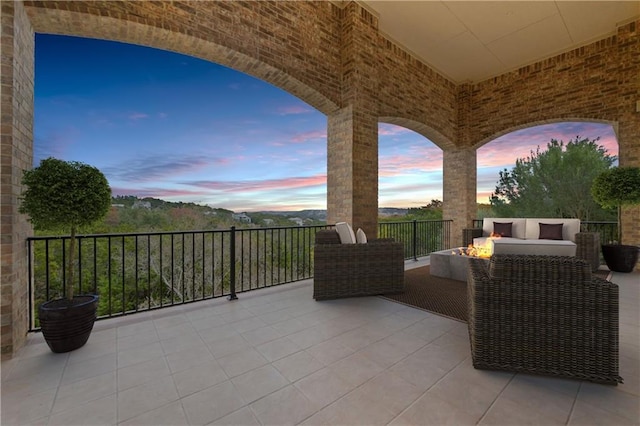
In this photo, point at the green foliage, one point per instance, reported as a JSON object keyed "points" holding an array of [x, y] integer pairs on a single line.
{"points": [[617, 187], [554, 183], [65, 195]]}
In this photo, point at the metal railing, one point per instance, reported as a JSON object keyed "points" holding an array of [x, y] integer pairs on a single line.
{"points": [[420, 237], [137, 272]]}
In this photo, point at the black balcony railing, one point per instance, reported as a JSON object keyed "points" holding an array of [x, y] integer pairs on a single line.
{"points": [[145, 271], [420, 237]]}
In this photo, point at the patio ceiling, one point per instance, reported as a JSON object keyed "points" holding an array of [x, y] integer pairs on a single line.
{"points": [[470, 41]]}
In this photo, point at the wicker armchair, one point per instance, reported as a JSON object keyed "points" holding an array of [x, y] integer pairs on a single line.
{"points": [[543, 315], [345, 270]]}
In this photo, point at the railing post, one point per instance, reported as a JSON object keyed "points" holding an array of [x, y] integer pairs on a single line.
{"points": [[32, 321], [415, 240], [232, 266]]}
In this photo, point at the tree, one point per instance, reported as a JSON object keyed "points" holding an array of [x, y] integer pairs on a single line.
{"points": [[554, 183], [617, 187], [65, 195]]}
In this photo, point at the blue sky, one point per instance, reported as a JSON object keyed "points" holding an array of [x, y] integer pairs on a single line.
{"points": [[164, 125]]}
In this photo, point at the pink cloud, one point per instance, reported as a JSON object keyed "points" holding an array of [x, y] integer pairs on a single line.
{"points": [[483, 197], [261, 185], [385, 129], [149, 169], [504, 150], [307, 136], [420, 158]]}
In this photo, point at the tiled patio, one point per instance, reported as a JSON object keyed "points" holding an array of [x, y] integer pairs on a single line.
{"points": [[276, 357]]}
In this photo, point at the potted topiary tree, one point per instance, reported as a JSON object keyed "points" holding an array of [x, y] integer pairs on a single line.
{"points": [[617, 187], [66, 195]]}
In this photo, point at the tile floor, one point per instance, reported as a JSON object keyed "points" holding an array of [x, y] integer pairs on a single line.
{"points": [[277, 357]]}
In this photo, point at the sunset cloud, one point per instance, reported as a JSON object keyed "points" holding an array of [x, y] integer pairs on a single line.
{"points": [[54, 143], [192, 130], [157, 168], [519, 144], [309, 136], [385, 129], [260, 185], [418, 158]]}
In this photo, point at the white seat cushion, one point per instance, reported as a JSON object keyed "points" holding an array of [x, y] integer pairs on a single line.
{"points": [[538, 247]]}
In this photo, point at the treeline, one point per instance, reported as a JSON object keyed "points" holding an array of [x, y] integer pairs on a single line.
{"points": [[129, 214]]}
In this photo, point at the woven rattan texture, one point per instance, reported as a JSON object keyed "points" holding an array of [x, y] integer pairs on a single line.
{"points": [[346, 270], [545, 315]]}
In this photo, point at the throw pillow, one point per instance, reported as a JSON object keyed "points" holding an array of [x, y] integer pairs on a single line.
{"points": [[345, 231], [361, 237], [502, 228], [550, 231]]}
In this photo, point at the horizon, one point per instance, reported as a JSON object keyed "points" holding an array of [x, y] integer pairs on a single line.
{"points": [[209, 135]]}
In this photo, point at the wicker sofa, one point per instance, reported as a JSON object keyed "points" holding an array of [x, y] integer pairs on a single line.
{"points": [[525, 238], [346, 270], [543, 315]]}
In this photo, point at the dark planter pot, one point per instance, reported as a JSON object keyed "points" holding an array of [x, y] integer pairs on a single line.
{"points": [[619, 257], [66, 325]]}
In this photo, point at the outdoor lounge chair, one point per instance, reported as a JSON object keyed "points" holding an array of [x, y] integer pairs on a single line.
{"points": [[346, 270], [543, 315]]}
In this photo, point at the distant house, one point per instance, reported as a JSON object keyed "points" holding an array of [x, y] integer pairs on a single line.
{"points": [[211, 213], [241, 217], [268, 221], [139, 204], [118, 206], [298, 221]]}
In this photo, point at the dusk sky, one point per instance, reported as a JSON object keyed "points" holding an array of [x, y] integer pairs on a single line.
{"points": [[164, 125]]}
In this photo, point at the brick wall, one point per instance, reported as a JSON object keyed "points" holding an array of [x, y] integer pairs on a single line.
{"points": [[16, 128]]}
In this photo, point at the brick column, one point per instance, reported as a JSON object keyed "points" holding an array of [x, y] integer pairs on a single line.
{"points": [[459, 190], [16, 79], [352, 135], [352, 175]]}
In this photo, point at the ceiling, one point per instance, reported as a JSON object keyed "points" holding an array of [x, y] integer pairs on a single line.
{"points": [[470, 41]]}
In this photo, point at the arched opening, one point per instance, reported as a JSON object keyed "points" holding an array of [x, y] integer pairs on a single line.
{"points": [[500, 155], [409, 168], [178, 128]]}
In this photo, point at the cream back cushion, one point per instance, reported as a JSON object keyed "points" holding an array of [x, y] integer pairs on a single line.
{"points": [[361, 237], [345, 232]]}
